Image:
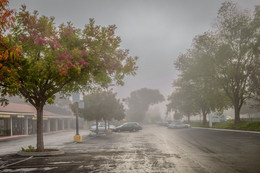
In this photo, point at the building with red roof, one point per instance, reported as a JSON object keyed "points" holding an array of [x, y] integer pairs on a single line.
{"points": [[20, 119]]}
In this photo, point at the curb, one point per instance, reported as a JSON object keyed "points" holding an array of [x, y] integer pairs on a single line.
{"points": [[228, 130], [11, 137], [40, 154]]}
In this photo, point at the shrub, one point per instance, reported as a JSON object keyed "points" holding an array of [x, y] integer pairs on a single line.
{"points": [[29, 149], [198, 124], [243, 125]]}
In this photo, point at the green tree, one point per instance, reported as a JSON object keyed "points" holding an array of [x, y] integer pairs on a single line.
{"points": [[182, 103], [225, 61], [196, 90], [250, 107], [62, 60], [139, 102], [102, 105], [255, 77], [235, 62], [177, 116], [154, 114]]}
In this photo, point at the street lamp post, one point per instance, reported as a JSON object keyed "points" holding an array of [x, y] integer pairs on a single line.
{"points": [[75, 98], [77, 120]]}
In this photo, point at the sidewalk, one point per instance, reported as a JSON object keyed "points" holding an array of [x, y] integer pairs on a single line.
{"points": [[45, 133], [53, 140]]}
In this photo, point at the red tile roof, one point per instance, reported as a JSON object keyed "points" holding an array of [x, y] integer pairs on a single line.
{"points": [[25, 109], [18, 108]]}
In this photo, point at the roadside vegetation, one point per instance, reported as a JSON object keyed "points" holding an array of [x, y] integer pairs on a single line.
{"points": [[243, 125]]}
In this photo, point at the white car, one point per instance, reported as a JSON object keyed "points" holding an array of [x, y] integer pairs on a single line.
{"points": [[178, 125], [101, 128]]}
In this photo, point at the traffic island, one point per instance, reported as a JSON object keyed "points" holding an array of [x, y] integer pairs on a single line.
{"points": [[46, 152]]}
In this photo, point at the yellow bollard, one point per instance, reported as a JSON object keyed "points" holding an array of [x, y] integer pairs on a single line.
{"points": [[77, 138]]}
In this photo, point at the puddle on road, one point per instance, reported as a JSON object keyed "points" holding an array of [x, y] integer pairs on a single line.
{"points": [[28, 169], [128, 152]]}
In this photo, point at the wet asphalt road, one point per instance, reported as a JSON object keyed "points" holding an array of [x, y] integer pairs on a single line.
{"points": [[154, 149]]}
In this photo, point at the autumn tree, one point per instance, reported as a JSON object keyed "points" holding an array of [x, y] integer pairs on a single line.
{"points": [[6, 21], [62, 59], [102, 105], [61, 105], [8, 51], [139, 102]]}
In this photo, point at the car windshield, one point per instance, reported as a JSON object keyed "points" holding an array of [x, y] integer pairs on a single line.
{"points": [[122, 125]]}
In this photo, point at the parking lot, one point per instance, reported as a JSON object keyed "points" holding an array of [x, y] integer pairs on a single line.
{"points": [[153, 149]]}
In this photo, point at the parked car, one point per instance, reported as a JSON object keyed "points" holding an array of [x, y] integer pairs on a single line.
{"points": [[162, 123], [218, 117], [101, 128], [178, 125], [129, 126]]}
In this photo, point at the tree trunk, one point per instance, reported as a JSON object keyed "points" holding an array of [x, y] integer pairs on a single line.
{"points": [[188, 118], [204, 114], [40, 144], [96, 126], [105, 125], [237, 114]]}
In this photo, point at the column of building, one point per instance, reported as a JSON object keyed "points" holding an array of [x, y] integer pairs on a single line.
{"points": [[56, 124], [25, 125], [48, 125], [62, 124]]}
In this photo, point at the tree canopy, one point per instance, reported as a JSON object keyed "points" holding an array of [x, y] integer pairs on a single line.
{"points": [[102, 105], [235, 57], [61, 60], [222, 67], [8, 52], [196, 91], [139, 102]]}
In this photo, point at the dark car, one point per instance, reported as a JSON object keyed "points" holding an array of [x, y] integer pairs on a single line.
{"points": [[129, 126]]}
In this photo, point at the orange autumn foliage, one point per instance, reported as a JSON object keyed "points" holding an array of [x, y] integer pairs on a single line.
{"points": [[6, 21]]}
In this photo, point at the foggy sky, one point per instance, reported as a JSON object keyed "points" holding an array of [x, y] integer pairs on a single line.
{"points": [[155, 31]]}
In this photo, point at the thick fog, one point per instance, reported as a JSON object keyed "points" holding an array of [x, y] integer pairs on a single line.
{"points": [[155, 31]]}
